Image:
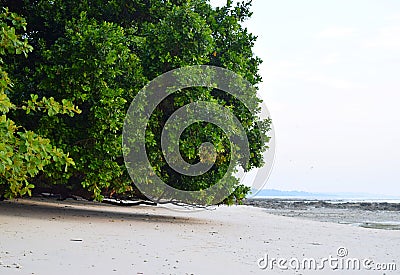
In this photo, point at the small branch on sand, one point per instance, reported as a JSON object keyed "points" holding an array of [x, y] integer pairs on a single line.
{"points": [[127, 203]]}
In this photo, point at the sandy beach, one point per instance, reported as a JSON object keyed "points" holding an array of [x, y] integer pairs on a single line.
{"points": [[42, 236]]}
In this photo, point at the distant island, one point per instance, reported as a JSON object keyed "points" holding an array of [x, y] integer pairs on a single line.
{"points": [[310, 195]]}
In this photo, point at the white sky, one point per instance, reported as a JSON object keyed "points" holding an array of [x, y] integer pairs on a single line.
{"points": [[331, 76]]}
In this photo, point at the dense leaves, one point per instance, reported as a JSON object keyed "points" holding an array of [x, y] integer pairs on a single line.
{"points": [[97, 55], [23, 153]]}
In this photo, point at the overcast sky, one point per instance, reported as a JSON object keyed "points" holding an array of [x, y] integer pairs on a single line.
{"points": [[331, 76]]}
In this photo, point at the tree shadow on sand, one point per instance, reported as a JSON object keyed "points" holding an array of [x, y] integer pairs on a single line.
{"points": [[39, 208]]}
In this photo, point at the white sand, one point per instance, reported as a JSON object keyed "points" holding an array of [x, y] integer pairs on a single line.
{"points": [[45, 237]]}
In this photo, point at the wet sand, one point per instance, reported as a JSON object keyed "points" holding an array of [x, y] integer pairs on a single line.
{"points": [[379, 215]]}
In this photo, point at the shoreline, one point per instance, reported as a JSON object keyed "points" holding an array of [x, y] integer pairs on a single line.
{"points": [[378, 215]]}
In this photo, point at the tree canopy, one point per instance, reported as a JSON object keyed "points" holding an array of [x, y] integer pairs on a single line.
{"points": [[73, 67]]}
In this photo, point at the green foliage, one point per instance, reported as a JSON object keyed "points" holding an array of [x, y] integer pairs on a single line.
{"points": [[10, 41], [97, 55], [23, 153], [50, 106], [94, 66]]}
